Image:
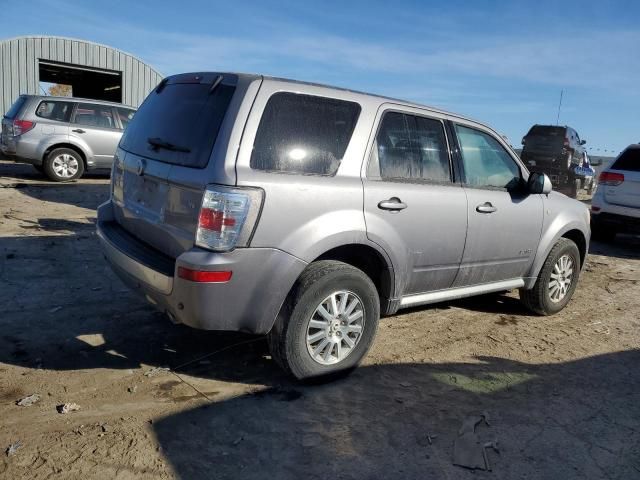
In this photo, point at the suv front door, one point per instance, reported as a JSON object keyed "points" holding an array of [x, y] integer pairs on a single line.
{"points": [[412, 206], [505, 221], [95, 126]]}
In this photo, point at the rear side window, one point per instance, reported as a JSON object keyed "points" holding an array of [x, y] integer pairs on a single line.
{"points": [[15, 108], [91, 115], [59, 111], [629, 160], [410, 147], [303, 134], [178, 123]]}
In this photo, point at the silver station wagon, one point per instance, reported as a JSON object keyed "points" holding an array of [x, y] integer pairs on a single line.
{"points": [[304, 212], [61, 136]]}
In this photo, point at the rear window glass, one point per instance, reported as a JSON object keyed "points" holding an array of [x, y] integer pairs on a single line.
{"points": [[179, 123], [15, 108], [91, 115], [303, 134], [59, 111], [629, 160], [544, 130]]}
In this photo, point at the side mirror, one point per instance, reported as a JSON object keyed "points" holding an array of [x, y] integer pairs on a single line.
{"points": [[582, 142], [539, 183]]}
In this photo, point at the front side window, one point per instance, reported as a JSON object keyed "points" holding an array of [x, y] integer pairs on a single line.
{"points": [[125, 115], [91, 115], [303, 134], [486, 162], [59, 111], [410, 147]]}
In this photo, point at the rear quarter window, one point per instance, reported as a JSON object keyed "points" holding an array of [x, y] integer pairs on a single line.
{"points": [[629, 160], [303, 134], [54, 110]]}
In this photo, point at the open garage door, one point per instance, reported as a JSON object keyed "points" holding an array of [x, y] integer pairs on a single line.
{"points": [[86, 82]]}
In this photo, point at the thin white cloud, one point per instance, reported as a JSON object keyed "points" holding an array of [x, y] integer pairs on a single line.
{"points": [[606, 60]]}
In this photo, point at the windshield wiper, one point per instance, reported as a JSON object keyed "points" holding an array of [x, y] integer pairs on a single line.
{"points": [[159, 143]]}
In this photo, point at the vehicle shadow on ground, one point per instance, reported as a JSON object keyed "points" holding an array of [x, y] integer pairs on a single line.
{"points": [[79, 194], [25, 171], [571, 420], [623, 246]]}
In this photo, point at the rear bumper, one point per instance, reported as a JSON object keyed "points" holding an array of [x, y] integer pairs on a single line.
{"points": [[19, 150], [249, 302]]}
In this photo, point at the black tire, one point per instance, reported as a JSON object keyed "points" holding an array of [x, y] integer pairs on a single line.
{"points": [[288, 337], [538, 299], [49, 165]]}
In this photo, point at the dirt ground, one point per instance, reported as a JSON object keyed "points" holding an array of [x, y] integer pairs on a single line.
{"points": [[562, 393]]}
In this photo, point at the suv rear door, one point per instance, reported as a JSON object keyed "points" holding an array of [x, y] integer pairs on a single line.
{"points": [[163, 163], [505, 221], [627, 193], [95, 125], [412, 206]]}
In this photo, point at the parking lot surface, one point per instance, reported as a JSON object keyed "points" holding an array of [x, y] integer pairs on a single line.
{"points": [[562, 393]]}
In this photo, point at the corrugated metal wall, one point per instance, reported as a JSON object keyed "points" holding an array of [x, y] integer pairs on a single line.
{"points": [[19, 72]]}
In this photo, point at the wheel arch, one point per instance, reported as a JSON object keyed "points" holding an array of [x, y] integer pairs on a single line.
{"points": [[70, 146], [572, 232], [373, 263]]}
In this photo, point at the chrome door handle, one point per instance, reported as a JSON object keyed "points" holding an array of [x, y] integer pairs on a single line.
{"points": [[78, 130], [393, 204], [486, 207]]}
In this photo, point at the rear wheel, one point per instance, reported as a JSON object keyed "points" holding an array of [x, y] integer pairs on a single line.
{"points": [[63, 165], [328, 322], [557, 280]]}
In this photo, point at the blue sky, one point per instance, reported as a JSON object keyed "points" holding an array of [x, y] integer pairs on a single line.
{"points": [[501, 62]]}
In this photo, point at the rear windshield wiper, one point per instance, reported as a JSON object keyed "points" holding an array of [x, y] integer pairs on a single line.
{"points": [[159, 143]]}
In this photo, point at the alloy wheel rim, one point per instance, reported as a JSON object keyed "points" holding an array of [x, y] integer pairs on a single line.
{"points": [[561, 278], [335, 328], [65, 165]]}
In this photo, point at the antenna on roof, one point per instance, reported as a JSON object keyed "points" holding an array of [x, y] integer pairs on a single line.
{"points": [[559, 107]]}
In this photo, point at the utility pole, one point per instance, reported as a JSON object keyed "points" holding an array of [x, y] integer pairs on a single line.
{"points": [[559, 107]]}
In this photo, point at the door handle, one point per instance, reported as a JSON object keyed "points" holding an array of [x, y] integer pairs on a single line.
{"points": [[486, 207], [394, 204], [78, 130]]}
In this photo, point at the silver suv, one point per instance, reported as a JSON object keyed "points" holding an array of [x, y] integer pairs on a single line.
{"points": [[63, 137], [263, 205]]}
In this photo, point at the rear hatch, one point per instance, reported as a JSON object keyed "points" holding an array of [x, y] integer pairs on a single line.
{"points": [[160, 169], [544, 144], [627, 193]]}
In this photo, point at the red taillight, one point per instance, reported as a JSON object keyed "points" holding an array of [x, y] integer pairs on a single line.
{"points": [[611, 178], [595, 209], [214, 219], [22, 126], [203, 276]]}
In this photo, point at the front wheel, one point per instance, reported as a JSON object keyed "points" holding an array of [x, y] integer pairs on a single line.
{"points": [[557, 280], [328, 322]]}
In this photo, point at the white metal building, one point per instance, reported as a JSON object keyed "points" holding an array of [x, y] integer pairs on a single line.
{"points": [[93, 70]]}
